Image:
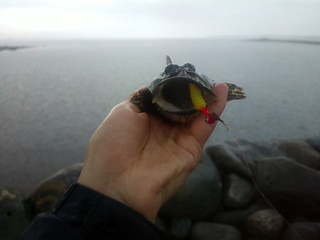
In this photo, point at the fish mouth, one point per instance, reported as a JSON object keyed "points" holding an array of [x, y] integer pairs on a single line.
{"points": [[173, 95], [196, 80]]}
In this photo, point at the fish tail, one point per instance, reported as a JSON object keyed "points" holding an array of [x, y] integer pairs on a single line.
{"points": [[235, 92]]}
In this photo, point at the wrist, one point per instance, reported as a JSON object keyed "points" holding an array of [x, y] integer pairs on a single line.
{"points": [[101, 215], [139, 203]]}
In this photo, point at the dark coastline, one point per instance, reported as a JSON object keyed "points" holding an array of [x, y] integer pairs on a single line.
{"points": [[298, 41], [12, 48]]}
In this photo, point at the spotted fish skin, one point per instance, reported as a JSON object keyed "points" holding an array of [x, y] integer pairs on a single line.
{"points": [[235, 92]]}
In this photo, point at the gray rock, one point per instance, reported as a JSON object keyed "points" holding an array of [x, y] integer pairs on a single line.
{"points": [[292, 185], [302, 230], [13, 219], [199, 196], [237, 217], [302, 152], [50, 190], [238, 192], [314, 142], [229, 158], [160, 224], [180, 227], [209, 231], [266, 224]]}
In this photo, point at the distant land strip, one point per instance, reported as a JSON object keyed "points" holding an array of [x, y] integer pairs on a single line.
{"points": [[12, 48], [301, 41]]}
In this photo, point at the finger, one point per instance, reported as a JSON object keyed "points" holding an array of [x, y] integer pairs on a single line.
{"points": [[129, 109], [202, 130], [124, 112], [125, 118], [221, 90]]}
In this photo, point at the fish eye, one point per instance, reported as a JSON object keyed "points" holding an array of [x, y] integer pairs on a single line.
{"points": [[171, 68], [189, 67]]}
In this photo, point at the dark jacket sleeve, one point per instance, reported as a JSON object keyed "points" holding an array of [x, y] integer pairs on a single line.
{"points": [[84, 213]]}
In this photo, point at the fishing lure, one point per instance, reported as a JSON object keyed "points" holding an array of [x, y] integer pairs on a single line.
{"points": [[200, 104]]}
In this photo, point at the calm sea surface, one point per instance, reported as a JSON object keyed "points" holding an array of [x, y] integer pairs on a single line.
{"points": [[55, 94]]}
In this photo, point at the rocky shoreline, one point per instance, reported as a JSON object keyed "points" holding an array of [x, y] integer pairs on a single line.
{"points": [[219, 199]]}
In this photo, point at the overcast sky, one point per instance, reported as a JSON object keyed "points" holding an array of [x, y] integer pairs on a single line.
{"points": [[73, 19]]}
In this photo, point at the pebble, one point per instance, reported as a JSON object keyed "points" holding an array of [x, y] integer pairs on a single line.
{"points": [[180, 227], [238, 192], [266, 224], [209, 231], [236, 217]]}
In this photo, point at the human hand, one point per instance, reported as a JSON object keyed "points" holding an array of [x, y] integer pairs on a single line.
{"points": [[141, 161]]}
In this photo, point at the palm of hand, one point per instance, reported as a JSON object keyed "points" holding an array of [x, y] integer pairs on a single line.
{"points": [[140, 160]]}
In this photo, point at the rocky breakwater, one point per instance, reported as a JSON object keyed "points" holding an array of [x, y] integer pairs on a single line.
{"points": [[219, 199], [286, 174]]}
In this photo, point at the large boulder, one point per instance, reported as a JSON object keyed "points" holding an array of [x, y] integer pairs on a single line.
{"points": [[13, 219], [229, 158], [314, 142], [199, 196], [50, 190], [302, 152], [302, 230], [293, 186]]}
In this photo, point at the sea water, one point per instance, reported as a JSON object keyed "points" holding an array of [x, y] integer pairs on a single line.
{"points": [[53, 95]]}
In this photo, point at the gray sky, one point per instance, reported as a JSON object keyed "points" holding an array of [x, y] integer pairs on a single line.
{"points": [[65, 19]]}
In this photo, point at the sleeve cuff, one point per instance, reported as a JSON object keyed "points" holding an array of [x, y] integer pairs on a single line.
{"points": [[95, 214]]}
